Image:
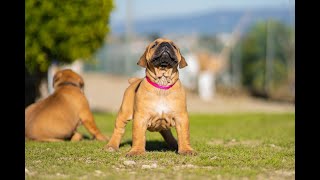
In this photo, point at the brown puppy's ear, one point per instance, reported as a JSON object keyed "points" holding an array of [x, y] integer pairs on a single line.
{"points": [[56, 77], [182, 63], [81, 83], [143, 59]]}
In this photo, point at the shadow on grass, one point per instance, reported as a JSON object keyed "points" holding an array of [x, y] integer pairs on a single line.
{"points": [[153, 145], [85, 137]]}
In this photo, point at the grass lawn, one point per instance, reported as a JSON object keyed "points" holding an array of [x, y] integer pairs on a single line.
{"points": [[229, 146]]}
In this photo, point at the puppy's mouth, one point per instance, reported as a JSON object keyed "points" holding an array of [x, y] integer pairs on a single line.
{"points": [[164, 56]]}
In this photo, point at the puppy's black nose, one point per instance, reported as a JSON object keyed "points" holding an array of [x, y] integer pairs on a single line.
{"points": [[165, 44]]}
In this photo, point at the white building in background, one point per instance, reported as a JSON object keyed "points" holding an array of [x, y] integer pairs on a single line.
{"points": [[206, 85], [189, 74], [201, 81]]}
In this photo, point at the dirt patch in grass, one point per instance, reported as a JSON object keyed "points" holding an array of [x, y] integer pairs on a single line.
{"points": [[234, 142], [277, 175]]}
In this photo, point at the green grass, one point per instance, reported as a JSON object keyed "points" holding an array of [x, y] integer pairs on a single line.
{"points": [[231, 146]]}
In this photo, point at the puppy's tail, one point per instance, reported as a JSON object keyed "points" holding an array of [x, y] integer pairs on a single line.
{"points": [[133, 79]]}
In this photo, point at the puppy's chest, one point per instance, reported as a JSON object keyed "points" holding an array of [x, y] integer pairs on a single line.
{"points": [[162, 116], [163, 107]]}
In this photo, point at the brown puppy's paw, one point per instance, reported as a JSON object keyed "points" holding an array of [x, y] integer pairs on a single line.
{"points": [[101, 137], [111, 148], [188, 152], [76, 137], [134, 153]]}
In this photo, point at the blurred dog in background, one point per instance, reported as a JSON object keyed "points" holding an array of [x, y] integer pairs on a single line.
{"points": [[57, 117]]}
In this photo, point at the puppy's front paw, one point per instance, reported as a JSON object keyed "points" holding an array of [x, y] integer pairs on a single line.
{"points": [[111, 148], [188, 152], [135, 153], [101, 137]]}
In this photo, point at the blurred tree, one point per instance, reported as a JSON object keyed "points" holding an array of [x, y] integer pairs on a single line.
{"points": [[266, 58], [63, 31]]}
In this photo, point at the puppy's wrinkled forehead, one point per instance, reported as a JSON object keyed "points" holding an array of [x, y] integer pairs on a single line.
{"points": [[159, 41]]}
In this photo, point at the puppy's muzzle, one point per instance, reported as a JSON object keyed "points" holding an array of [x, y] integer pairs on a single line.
{"points": [[164, 56]]}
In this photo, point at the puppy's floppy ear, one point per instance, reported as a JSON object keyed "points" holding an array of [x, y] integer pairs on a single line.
{"points": [[81, 83], [56, 77], [182, 63], [143, 59]]}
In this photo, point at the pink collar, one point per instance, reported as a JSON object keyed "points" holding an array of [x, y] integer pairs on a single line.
{"points": [[157, 85]]}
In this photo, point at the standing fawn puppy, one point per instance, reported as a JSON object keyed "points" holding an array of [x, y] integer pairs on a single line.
{"points": [[156, 102]]}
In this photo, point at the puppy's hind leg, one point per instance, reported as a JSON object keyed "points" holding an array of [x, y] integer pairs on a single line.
{"points": [[87, 120], [170, 140]]}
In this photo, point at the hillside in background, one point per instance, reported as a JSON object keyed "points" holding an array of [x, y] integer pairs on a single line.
{"points": [[205, 23]]}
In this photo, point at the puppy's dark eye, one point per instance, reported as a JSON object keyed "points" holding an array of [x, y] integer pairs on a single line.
{"points": [[174, 46]]}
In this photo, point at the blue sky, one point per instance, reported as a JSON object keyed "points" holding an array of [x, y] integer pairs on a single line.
{"points": [[148, 9]]}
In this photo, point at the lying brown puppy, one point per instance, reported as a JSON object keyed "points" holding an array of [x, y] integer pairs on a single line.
{"points": [[57, 117], [156, 102]]}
